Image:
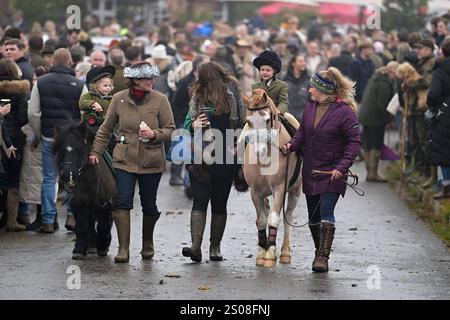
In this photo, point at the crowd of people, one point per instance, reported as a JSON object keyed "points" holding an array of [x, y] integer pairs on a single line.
{"points": [[49, 77]]}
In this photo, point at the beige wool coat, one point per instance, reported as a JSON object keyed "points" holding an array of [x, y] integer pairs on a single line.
{"points": [[132, 155]]}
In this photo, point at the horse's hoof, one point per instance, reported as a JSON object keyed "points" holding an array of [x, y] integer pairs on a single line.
{"points": [[260, 262], [285, 259], [270, 263], [78, 256], [92, 250]]}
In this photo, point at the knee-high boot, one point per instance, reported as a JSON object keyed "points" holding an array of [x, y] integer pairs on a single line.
{"points": [[327, 230], [198, 222], [218, 222], [315, 233], [12, 208], [122, 221], [148, 226]]}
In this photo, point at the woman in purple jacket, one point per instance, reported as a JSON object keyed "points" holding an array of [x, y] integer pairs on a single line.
{"points": [[329, 141]]}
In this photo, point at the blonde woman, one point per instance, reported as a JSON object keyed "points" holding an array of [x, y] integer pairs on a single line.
{"points": [[329, 141], [415, 89]]}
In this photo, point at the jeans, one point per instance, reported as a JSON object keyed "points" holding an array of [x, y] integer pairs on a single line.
{"points": [[323, 211], [148, 189], [49, 184]]}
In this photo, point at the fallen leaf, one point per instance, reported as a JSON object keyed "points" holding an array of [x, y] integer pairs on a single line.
{"points": [[249, 256], [170, 212], [161, 282], [172, 275], [353, 229], [203, 287]]}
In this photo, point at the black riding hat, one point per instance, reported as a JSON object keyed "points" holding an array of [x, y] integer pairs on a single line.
{"points": [[97, 73], [268, 58]]}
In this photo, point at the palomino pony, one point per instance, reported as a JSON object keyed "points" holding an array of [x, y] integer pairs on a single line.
{"points": [[93, 189], [265, 172]]}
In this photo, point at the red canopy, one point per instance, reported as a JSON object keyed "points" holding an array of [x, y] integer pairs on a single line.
{"points": [[342, 13], [277, 7]]}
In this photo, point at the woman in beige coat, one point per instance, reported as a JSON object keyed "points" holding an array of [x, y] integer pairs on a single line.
{"points": [[146, 121]]}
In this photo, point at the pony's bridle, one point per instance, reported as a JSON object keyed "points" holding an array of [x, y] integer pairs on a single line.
{"points": [[273, 117], [80, 169]]}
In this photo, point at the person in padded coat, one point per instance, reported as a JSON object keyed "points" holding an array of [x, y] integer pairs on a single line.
{"points": [[328, 139]]}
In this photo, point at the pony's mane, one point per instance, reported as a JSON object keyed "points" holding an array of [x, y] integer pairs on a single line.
{"points": [[72, 135]]}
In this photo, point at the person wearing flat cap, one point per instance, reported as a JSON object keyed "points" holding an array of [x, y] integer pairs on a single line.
{"points": [[269, 65], [95, 103], [425, 54], [145, 120]]}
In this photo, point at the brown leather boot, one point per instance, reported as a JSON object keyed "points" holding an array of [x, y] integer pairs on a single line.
{"points": [[374, 159], [432, 180], [148, 225], [218, 222], [198, 222], [122, 221], [326, 240], [12, 205], [315, 232]]}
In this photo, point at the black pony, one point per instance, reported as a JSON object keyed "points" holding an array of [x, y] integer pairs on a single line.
{"points": [[92, 189]]}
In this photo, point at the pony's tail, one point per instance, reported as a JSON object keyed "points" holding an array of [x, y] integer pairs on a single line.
{"points": [[345, 88]]}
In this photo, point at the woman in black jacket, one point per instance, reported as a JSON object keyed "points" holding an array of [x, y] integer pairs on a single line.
{"points": [[297, 79], [18, 91], [438, 152]]}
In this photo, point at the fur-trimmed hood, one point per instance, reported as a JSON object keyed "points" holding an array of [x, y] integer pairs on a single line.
{"points": [[12, 86]]}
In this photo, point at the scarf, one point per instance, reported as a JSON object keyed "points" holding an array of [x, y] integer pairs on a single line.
{"points": [[138, 94]]}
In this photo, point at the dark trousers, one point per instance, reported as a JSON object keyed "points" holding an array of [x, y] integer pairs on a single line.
{"points": [[148, 189], [323, 211], [418, 137], [372, 138], [217, 190]]}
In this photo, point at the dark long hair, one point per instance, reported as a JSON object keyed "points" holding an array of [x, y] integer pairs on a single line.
{"points": [[211, 87]]}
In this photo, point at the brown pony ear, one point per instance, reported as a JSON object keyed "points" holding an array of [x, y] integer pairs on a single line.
{"points": [[245, 99], [265, 96]]}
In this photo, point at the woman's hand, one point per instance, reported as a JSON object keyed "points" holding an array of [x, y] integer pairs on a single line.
{"points": [[200, 122], [97, 107], [4, 110], [336, 175], [11, 152], [146, 133], [93, 160], [286, 148]]}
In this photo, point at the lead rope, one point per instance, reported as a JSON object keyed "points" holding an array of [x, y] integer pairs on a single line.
{"points": [[352, 185]]}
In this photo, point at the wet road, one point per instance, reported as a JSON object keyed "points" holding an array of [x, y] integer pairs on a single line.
{"points": [[376, 233]]}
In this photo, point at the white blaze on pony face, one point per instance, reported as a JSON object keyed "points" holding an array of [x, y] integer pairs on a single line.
{"points": [[259, 120]]}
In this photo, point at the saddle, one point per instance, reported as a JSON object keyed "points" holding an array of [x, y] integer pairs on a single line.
{"points": [[290, 123]]}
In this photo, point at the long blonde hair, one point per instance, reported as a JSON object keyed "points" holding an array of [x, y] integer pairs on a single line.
{"points": [[345, 88], [408, 74]]}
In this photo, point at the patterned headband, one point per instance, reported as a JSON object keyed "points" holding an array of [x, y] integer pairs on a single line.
{"points": [[143, 71], [322, 84]]}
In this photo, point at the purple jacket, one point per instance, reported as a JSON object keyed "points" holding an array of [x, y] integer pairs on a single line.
{"points": [[333, 144]]}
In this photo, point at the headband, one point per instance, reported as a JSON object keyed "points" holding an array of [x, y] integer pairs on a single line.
{"points": [[322, 84]]}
